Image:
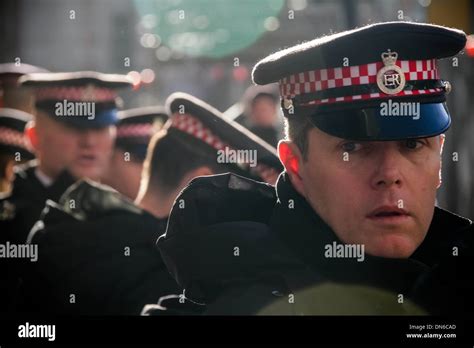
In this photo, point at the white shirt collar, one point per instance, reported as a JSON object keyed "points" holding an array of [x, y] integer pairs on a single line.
{"points": [[43, 178]]}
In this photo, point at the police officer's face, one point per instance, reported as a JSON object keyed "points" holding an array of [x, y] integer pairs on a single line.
{"points": [[380, 194], [264, 112], [84, 152]]}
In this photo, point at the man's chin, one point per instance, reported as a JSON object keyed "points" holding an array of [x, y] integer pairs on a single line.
{"points": [[393, 245], [89, 173]]}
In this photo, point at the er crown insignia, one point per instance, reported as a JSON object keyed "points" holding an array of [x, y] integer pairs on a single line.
{"points": [[390, 79]]}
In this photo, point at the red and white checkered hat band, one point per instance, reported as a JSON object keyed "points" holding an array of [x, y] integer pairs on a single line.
{"points": [[194, 127], [320, 80], [145, 130], [78, 93], [12, 137]]}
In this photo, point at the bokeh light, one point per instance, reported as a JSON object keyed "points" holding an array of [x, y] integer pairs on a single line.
{"points": [[207, 28]]}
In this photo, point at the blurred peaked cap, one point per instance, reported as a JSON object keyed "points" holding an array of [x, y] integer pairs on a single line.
{"points": [[16, 117], [146, 114], [341, 80], [73, 90], [12, 138], [76, 78], [202, 121], [136, 127], [11, 72], [19, 69]]}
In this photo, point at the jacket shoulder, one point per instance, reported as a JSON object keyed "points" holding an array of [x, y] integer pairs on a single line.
{"points": [[87, 203], [223, 198], [218, 236]]}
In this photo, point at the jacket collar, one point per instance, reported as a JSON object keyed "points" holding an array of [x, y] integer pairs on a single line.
{"points": [[27, 184]]}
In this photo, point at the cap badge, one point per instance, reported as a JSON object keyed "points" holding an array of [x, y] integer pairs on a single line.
{"points": [[390, 79]]}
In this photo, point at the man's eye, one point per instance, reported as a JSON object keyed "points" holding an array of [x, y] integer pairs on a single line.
{"points": [[351, 146], [413, 144]]}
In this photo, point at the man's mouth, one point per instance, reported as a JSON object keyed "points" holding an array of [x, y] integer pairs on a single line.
{"points": [[86, 160], [389, 214]]}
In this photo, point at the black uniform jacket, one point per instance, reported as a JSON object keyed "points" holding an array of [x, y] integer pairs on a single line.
{"points": [[21, 209], [240, 247], [97, 256], [18, 213]]}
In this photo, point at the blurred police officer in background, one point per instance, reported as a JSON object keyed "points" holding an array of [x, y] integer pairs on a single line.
{"points": [[356, 202], [99, 256], [189, 148], [134, 131], [17, 104], [14, 147], [12, 94], [261, 113], [72, 136]]}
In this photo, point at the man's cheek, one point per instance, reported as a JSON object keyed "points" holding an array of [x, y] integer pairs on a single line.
{"points": [[430, 182]]}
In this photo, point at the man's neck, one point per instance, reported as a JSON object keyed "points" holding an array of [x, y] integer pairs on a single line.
{"points": [[157, 204]]}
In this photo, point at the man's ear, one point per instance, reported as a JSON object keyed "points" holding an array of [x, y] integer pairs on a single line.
{"points": [[10, 171], [292, 160], [441, 144], [31, 134], [442, 137]]}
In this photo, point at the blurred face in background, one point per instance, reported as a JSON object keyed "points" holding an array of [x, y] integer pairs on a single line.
{"points": [[264, 111], [7, 163], [84, 152], [20, 98]]}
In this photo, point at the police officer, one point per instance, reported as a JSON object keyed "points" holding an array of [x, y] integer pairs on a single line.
{"points": [[12, 94], [14, 147], [17, 104], [355, 206], [99, 256], [261, 113], [134, 131], [14, 150], [72, 136], [200, 141]]}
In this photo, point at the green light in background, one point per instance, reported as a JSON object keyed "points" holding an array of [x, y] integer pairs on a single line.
{"points": [[206, 28]]}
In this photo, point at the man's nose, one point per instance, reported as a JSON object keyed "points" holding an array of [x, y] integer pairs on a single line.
{"points": [[87, 138], [388, 162]]}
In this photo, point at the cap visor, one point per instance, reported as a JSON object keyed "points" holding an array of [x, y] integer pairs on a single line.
{"points": [[424, 120], [99, 120]]}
